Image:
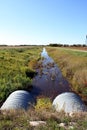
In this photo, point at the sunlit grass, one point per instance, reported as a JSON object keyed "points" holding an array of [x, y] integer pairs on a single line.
{"points": [[43, 104], [73, 65], [16, 70], [16, 63]]}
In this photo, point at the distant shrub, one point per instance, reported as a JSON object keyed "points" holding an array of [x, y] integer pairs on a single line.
{"points": [[66, 45], [55, 45], [20, 50]]}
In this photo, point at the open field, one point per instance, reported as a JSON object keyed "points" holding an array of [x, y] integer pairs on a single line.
{"points": [[17, 68], [79, 48]]}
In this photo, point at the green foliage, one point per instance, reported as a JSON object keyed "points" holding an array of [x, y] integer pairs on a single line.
{"points": [[66, 45], [14, 69], [43, 103], [55, 45]]}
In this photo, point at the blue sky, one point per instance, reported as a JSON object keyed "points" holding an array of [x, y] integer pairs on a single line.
{"points": [[43, 21]]}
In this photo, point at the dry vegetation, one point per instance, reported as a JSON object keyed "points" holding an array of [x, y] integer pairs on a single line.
{"points": [[20, 120], [73, 65]]}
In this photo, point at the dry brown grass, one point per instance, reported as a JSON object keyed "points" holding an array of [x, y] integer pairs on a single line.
{"points": [[19, 120], [73, 65]]}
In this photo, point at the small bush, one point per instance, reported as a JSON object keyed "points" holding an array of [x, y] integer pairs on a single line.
{"points": [[43, 103]]}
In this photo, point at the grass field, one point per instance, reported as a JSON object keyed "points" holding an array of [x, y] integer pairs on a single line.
{"points": [[73, 65], [16, 67]]}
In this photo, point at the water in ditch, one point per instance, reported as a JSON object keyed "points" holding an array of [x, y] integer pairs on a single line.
{"points": [[49, 81]]}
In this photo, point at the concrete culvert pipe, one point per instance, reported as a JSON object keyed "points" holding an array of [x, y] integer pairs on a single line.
{"points": [[18, 100], [68, 102]]}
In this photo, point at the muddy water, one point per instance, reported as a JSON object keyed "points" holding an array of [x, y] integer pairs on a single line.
{"points": [[49, 81]]}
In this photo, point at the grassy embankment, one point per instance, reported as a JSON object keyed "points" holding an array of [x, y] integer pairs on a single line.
{"points": [[17, 69], [73, 65]]}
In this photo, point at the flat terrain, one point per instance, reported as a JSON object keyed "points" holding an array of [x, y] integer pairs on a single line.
{"points": [[17, 64], [82, 49], [79, 48]]}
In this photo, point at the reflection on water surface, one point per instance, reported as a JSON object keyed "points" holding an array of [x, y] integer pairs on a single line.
{"points": [[49, 81]]}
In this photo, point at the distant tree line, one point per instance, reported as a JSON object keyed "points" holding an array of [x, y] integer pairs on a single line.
{"points": [[3, 45], [51, 44], [67, 45]]}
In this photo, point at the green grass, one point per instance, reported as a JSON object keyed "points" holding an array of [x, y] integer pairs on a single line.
{"points": [[76, 52], [15, 70]]}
